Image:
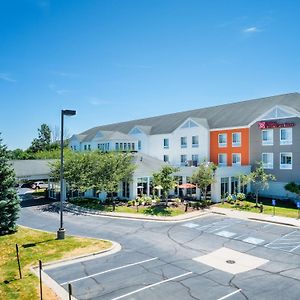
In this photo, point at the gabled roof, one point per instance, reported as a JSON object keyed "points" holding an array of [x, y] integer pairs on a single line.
{"points": [[103, 135], [222, 116], [33, 168]]}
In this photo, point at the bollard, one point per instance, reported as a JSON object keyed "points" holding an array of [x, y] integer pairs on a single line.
{"points": [[18, 259], [40, 272], [70, 291]]}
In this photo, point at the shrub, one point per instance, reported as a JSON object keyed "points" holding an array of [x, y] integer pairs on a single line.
{"points": [[240, 196], [230, 199]]}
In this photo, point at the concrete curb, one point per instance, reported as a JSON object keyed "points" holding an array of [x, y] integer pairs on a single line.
{"points": [[138, 217], [57, 288], [51, 283]]}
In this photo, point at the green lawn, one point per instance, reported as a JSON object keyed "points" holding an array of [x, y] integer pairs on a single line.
{"points": [[34, 246], [283, 208], [158, 210]]}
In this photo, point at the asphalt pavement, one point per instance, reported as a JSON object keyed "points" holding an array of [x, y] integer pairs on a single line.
{"points": [[158, 260]]}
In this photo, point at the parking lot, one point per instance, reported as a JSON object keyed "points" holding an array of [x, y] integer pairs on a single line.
{"points": [[166, 260]]}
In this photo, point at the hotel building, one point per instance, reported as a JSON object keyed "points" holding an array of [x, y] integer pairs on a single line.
{"points": [[234, 136]]}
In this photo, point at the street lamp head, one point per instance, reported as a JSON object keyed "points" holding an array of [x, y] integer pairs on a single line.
{"points": [[68, 112]]}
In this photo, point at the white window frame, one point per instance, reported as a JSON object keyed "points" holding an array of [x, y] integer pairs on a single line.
{"points": [[222, 145], [183, 163], [166, 156], [222, 164], [286, 166], [237, 144], [267, 143], [286, 142], [267, 165], [181, 144], [139, 145], [240, 159], [196, 145], [166, 145]]}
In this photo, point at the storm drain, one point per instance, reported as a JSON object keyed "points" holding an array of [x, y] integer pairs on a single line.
{"points": [[231, 261]]}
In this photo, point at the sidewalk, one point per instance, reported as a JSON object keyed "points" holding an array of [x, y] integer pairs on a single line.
{"points": [[232, 213]]}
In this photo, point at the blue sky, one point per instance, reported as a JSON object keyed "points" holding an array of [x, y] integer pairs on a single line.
{"points": [[117, 60]]}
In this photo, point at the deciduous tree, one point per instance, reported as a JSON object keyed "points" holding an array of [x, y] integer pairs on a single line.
{"points": [[165, 178]]}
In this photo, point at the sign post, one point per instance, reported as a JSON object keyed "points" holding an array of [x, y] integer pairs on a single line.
{"points": [[274, 204], [18, 259], [298, 206]]}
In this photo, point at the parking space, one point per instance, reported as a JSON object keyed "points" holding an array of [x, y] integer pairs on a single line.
{"points": [[289, 242], [151, 278]]}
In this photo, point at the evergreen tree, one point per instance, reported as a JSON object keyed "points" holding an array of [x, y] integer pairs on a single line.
{"points": [[9, 201]]}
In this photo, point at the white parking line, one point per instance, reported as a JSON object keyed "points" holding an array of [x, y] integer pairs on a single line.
{"points": [[229, 295], [289, 242], [110, 270], [152, 285]]}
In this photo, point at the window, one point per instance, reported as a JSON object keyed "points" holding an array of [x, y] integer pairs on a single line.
{"points": [[85, 147], [195, 159], [139, 145], [133, 146], [74, 148], [236, 139], [267, 137], [267, 160], [183, 159], [224, 186], [286, 161], [236, 159], [166, 143], [166, 158], [222, 159], [183, 141], [234, 185], [121, 146], [89, 147], [222, 140], [117, 146], [129, 146], [195, 141], [286, 136]]}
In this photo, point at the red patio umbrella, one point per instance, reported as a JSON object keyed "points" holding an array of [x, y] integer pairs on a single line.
{"points": [[186, 186]]}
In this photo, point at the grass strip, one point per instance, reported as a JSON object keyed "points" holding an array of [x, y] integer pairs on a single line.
{"points": [[36, 245]]}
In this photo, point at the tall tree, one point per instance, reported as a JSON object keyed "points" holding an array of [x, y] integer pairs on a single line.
{"points": [[165, 178], [95, 170], [204, 176], [9, 201], [43, 141], [260, 179]]}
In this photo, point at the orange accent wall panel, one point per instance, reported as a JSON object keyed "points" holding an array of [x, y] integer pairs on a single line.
{"points": [[243, 149]]}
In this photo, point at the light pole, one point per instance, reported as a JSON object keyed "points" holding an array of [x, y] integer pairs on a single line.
{"points": [[61, 230]]}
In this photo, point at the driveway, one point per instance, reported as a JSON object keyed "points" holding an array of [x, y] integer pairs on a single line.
{"points": [[199, 259]]}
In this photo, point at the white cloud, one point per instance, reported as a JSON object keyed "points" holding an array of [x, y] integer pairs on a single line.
{"points": [[58, 91], [251, 30], [96, 102], [6, 77]]}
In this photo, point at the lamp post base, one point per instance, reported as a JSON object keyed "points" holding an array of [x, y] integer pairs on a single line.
{"points": [[61, 234]]}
